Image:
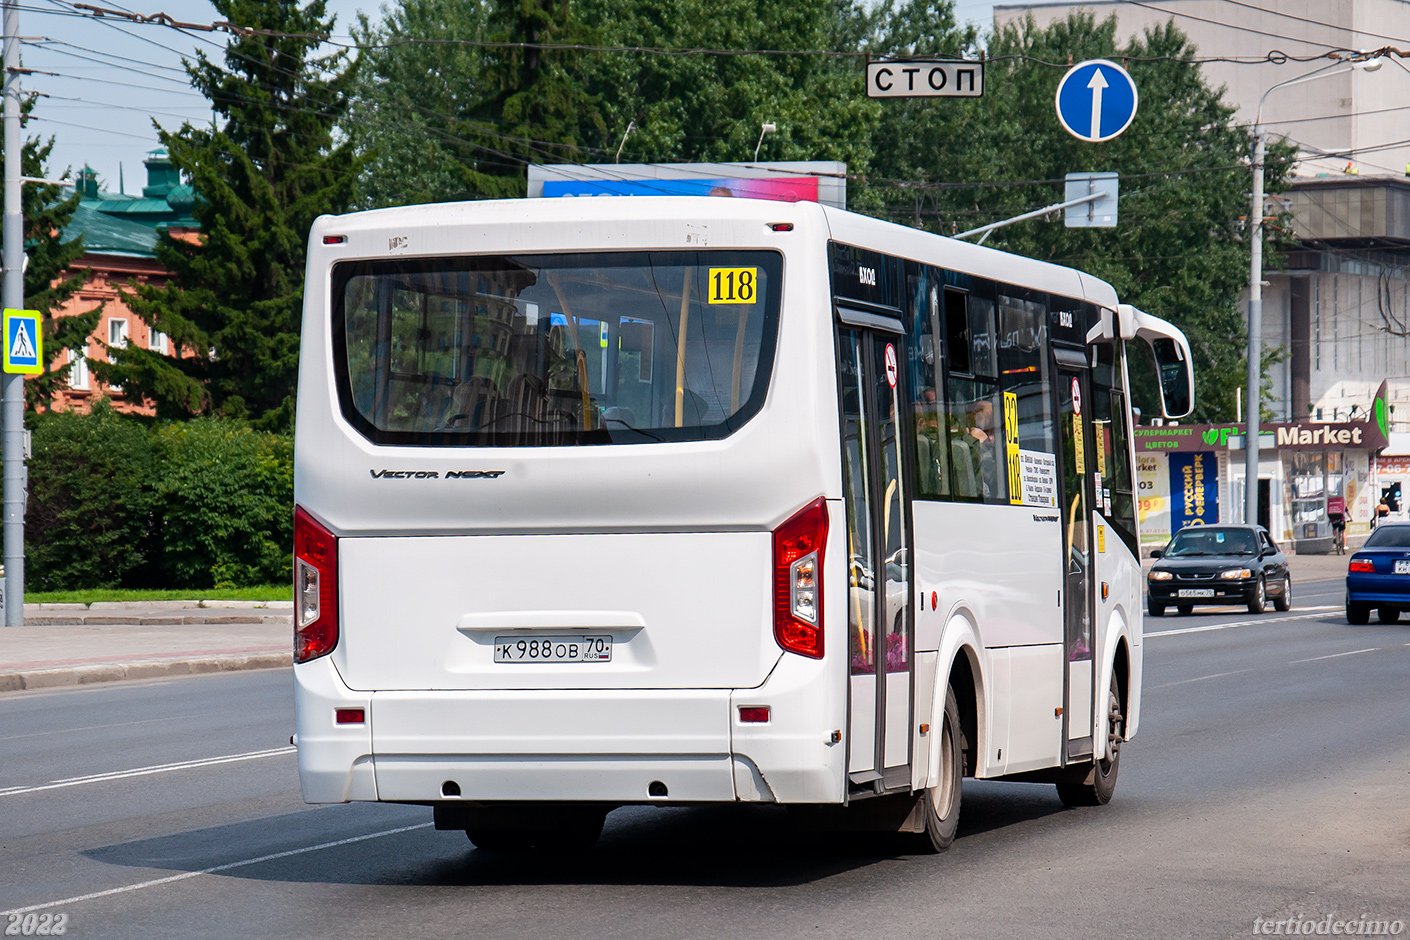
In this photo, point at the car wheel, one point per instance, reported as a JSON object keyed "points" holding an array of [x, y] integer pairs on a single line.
{"points": [[1154, 609], [1357, 613], [1185, 609], [1094, 784], [1259, 602], [942, 802], [1284, 601], [1387, 614]]}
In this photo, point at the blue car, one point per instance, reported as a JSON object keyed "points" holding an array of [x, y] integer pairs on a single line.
{"points": [[1378, 575]]}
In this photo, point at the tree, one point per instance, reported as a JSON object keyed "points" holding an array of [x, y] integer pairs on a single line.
{"points": [[437, 119], [233, 305], [699, 106], [1180, 251], [48, 279]]}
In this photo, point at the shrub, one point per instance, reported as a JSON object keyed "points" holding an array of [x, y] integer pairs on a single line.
{"points": [[224, 502], [90, 499]]}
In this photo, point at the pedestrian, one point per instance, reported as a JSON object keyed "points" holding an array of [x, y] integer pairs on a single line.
{"points": [[1382, 511]]}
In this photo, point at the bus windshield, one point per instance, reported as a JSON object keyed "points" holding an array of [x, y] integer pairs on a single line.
{"points": [[564, 349]]}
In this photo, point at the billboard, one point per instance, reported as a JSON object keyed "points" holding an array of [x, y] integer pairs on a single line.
{"points": [[819, 181]]}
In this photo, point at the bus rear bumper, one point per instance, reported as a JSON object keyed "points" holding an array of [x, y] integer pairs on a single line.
{"points": [[588, 745]]}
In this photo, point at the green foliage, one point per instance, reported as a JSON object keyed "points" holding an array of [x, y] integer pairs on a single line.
{"points": [[90, 500], [224, 499], [1180, 250], [232, 308], [710, 107], [48, 280], [192, 505], [447, 121], [90, 596]]}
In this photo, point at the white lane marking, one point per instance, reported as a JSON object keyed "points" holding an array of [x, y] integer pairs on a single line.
{"points": [[1242, 623], [1217, 675], [1333, 656], [212, 870], [146, 771]]}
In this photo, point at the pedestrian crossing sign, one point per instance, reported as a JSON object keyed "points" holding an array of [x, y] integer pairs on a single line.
{"points": [[24, 342]]}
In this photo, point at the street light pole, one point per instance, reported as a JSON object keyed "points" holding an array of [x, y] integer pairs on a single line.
{"points": [[12, 298], [1255, 281], [1255, 334]]}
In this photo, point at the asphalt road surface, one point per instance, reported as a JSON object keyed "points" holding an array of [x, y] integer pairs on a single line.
{"points": [[1270, 779]]}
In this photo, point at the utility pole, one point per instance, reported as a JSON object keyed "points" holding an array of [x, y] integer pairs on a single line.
{"points": [[1255, 332], [12, 298]]}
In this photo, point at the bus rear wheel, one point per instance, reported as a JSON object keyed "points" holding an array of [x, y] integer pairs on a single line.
{"points": [[942, 801], [1094, 784]]}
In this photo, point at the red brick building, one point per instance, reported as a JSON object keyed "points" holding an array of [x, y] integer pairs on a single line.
{"points": [[120, 236]]}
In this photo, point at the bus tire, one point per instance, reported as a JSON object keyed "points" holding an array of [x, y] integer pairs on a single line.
{"points": [[942, 801], [1094, 783]]}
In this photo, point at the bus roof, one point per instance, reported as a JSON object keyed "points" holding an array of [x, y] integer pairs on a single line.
{"points": [[592, 223]]}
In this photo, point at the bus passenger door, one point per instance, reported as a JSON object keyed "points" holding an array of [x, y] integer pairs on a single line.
{"points": [[1075, 432], [880, 651]]}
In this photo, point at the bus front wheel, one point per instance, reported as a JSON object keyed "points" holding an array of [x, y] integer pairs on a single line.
{"points": [[1094, 784], [942, 801]]}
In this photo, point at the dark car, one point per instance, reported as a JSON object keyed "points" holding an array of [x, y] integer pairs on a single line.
{"points": [[1378, 575], [1219, 564]]}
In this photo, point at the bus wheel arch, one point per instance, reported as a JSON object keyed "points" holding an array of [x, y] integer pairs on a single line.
{"points": [[962, 679]]}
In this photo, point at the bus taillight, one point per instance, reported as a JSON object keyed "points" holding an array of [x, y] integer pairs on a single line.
{"points": [[315, 588], [798, 586]]}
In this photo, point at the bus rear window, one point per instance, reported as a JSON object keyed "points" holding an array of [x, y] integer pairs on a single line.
{"points": [[541, 350]]}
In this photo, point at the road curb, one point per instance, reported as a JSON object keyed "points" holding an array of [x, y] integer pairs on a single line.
{"points": [[79, 620], [116, 672]]}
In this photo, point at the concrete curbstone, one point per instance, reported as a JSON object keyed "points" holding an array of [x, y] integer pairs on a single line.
{"points": [[89, 675]]}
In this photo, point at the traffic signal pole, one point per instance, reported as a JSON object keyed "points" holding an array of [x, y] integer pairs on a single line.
{"points": [[12, 298]]}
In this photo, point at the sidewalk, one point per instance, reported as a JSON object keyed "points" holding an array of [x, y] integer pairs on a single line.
{"points": [[72, 644]]}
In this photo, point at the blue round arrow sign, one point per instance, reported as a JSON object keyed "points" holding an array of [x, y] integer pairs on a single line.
{"points": [[1096, 100]]}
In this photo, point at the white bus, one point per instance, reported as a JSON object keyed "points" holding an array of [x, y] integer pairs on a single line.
{"points": [[610, 501]]}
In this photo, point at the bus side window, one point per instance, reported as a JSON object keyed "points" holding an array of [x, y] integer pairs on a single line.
{"points": [[974, 407], [931, 450], [1023, 365], [1109, 422]]}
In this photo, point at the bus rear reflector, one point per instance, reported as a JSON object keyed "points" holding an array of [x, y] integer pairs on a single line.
{"points": [[315, 588], [1362, 564], [798, 585]]}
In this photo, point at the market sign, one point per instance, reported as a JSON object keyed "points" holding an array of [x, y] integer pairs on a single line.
{"points": [[1292, 435]]}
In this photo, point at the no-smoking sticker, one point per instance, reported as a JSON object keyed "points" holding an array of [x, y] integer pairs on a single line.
{"points": [[890, 365], [1076, 396]]}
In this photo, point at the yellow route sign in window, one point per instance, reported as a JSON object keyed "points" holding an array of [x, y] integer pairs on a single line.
{"points": [[734, 285]]}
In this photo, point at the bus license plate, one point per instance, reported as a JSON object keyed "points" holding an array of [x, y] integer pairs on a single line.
{"points": [[552, 649], [1196, 592], [1402, 566]]}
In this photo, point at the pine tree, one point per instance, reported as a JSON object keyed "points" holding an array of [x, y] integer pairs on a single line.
{"points": [[48, 279], [448, 121], [261, 175]]}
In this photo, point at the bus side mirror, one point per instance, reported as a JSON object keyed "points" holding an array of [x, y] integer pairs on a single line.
{"points": [[1172, 359]]}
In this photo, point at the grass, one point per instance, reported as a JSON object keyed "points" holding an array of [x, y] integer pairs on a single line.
{"points": [[269, 592]]}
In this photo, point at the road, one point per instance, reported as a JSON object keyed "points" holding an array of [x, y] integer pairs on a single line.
{"points": [[1270, 779]]}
